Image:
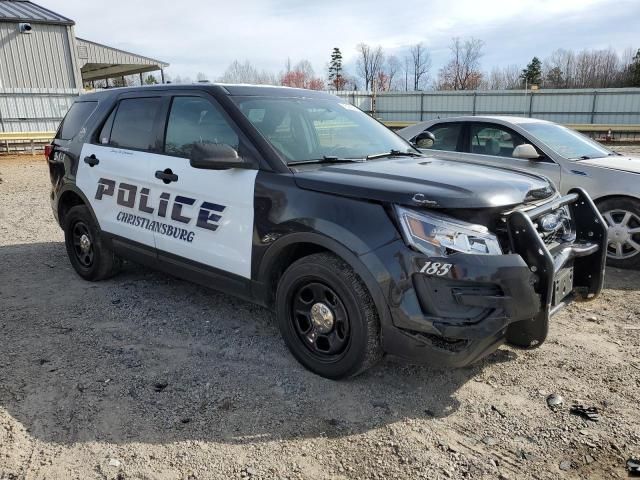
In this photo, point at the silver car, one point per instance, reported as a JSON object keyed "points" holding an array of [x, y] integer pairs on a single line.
{"points": [[565, 156]]}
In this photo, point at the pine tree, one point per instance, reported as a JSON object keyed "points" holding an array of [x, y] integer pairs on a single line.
{"points": [[554, 78], [336, 79], [532, 75], [634, 70]]}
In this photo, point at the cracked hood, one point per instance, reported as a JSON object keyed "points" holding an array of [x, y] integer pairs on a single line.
{"points": [[428, 182]]}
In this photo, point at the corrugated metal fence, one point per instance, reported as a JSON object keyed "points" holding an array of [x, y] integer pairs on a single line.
{"points": [[34, 109], [615, 106]]}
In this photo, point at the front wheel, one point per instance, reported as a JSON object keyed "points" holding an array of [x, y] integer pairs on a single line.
{"points": [[327, 317], [623, 236]]}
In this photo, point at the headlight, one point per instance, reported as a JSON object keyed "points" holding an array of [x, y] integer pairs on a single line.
{"points": [[437, 235]]}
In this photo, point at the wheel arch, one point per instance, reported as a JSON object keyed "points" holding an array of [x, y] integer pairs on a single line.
{"points": [[287, 250], [620, 196], [72, 197]]}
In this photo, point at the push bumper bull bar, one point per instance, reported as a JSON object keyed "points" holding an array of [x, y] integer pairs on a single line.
{"points": [[587, 256], [489, 299]]}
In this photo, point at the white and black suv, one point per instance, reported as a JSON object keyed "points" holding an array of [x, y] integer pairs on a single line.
{"points": [[299, 202]]}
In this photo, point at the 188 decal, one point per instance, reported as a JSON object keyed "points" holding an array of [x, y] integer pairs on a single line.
{"points": [[436, 268]]}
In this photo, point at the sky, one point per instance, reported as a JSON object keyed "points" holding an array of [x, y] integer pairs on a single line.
{"points": [[206, 36]]}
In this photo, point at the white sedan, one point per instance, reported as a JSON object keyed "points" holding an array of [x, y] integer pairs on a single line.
{"points": [[565, 156]]}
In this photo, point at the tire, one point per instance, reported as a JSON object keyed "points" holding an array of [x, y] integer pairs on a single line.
{"points": [[93, 261], [327, 317], [623, 217]]}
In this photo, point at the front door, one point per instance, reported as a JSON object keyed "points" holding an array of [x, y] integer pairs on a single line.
{"points": [[493, 144], [209, 213]]}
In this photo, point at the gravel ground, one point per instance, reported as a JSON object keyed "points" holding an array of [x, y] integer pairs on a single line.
{"points": [[146, 376]]}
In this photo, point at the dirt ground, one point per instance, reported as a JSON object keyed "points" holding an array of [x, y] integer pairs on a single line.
{"points": [[145, 376]]}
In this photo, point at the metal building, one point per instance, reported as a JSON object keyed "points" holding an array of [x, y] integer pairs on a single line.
{"points": [[43, 66]]}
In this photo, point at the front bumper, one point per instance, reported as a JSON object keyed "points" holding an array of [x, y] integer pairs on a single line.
{"points": [[457, 317]]}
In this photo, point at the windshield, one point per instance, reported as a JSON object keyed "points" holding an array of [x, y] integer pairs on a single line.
{"points": [[312, 129], [566, 142]]}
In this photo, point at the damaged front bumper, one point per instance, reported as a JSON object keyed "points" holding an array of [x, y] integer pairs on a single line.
{"points": [[457, 314]]}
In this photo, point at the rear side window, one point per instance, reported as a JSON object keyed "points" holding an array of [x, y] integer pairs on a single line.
{"points": [[75, 119], [132, 124]]}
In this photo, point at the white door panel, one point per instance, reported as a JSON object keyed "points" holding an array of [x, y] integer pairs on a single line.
{"points": [[112, 188], [220, 216]]}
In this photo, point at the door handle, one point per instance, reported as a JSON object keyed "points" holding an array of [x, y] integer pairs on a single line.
{"points": [[166, 175], [92, 161]]}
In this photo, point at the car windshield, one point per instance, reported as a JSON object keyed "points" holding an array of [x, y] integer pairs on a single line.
{"points": [[566, 142], [308, 129]]}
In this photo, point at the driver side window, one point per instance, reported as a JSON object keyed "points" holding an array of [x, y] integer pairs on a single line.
{"points": [[447, 136], [196, 120]]}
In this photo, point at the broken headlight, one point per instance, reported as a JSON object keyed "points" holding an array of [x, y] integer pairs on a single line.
{"points": [[439, 235]]}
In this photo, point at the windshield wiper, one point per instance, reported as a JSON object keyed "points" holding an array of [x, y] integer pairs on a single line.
{"points": [[328, 159], [394, 153]]}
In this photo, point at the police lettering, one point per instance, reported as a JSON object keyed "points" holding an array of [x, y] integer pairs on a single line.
{"points": [[209, 213]]}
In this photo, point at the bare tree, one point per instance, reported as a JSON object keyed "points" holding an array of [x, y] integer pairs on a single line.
{"points": [[462, 72], [421, 62], [584, 69], [246, 73], [392, 68], [563, 64], [369, 64], [406, 69], [505, 78], [302, 76]]}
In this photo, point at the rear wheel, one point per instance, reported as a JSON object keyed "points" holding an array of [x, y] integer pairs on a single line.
{"points": [[89, 256], [327, 317], [623, 236]]}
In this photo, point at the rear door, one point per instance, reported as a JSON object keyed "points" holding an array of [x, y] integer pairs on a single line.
{"points": [[114, 168], [210, 212], [493, 144]]}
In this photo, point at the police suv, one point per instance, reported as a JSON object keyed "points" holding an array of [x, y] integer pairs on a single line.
{"points": [[300, 202]]}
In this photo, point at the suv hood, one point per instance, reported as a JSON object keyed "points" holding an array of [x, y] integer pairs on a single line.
{"points": [[623, 163], [427, 182]]}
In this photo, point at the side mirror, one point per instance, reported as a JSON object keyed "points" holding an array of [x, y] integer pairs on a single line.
{"points": [[217, 156], [425, 139], [525, 151]]}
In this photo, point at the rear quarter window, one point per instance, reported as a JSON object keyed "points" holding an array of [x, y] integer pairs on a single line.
{"points": [[75, 119]]}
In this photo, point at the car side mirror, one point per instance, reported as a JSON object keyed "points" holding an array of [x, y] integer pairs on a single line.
{"points": [[217, 156], [425, 139], [526, 151]]}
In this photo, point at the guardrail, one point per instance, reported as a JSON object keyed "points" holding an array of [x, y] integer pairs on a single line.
{"points": [[25, 140]]}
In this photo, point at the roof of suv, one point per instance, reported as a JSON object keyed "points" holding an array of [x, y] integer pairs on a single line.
{"points": [[228, 89]]}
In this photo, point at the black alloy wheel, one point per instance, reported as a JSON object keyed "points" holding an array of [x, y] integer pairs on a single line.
{"points": [[327, 317], [320, 320], [82, 244], [91, 257]]}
